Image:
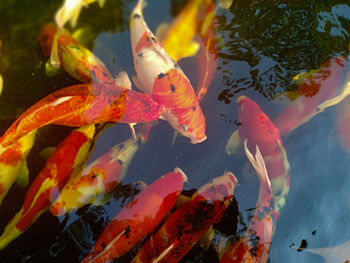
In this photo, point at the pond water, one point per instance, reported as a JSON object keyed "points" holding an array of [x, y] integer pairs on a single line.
{"points": [[264, 45]]}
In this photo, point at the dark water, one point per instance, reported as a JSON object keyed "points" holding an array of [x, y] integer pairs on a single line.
{"points": [[266, 43]]}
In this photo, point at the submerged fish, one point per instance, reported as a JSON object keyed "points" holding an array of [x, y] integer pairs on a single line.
{"points": [[98, 179], [70, 11], [13, 163], [186, 225], [254, 245], [317, 87], [159, 76], [138, 218], [81, 105], [70, 154], [74, 58], [259, 130]]}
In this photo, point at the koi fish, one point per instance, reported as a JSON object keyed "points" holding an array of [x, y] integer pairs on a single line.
{"points": [[317, 88], [159, 76], [259, 130], [138, 218], [254, 245], [13, 164], [71, 153], [81, 105], [187, 224], [70, 11], [74, 58], [335, 254], [98, 179]]}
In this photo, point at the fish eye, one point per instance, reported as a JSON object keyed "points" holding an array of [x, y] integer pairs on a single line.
{"points": [[184, 126]]}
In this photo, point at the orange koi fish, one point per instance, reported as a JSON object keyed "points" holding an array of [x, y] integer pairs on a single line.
{"points": [[159, 76], [70, 155], [98, 179], [185, 227], [254, 245], [259, 130], [319, 86], [138, 218], [74, 58], [13, 164], [84, 104]]}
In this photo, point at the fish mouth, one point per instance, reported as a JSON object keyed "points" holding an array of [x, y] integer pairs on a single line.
{"points": [[196, 140]]}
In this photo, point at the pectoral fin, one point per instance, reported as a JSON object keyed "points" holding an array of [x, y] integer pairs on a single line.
{"points": [[122, 80], [23, 175], [47, 152], [234, 143], [162, 30], [207, 239]]}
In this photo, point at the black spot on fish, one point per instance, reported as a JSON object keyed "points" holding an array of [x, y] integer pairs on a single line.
{"points": [[95, 67], [136, 16], [104, 73], [140, 55], [194, 108], [154, 39], [93, 74], [302, 245], [176, 66], [120, 146], [161, 75], [172, 87], [127, 231], [120, 162], [94, 176]]}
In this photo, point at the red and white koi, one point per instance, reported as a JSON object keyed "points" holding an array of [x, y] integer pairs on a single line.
{"points": [[186, 225], [159, 76], [259, 130], [81, 105], [98, 179], [138, 218], [69, 156], [254, 245]]}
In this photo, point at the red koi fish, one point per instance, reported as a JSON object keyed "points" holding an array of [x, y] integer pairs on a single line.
{"points": [[13, 164], [185, 227], [70, 155], [259, 130], [318, 87], [254, 245], [84, 104], [74, 58], [138, 218], [98, 179], [159, 76]]}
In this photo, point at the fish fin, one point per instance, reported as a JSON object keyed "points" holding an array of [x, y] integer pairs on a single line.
{"points": [[247, 171], [23, 175], [101, 3], [258, 163], [122, 80], [331, 102], [47, 152], [300, 78], [181, 200], [162, 30], [133, 133], [191, 50], [11, 231], [223, 243], [54, 58], [136, 82], [102, 199], [50, 70], [207, 239], [175, 135], [83, 35], [226, 4], [234, 143]]}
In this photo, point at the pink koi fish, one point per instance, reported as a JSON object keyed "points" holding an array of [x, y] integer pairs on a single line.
{"points": [[81, 105], [138, 218], [69, 155], [159, 76], [259, 130], [184, 228], [98, 179], [254, 245], [318, 87]]}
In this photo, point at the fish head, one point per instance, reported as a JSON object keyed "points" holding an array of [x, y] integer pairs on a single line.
{"points": [[247, 108]]}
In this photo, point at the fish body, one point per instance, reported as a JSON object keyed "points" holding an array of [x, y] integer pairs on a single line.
{"points": [[254, 245], [316, 88], [96, 180], [13, 164], [159, 76], [188, 223], [138, 218], [74, 58], [259, 130], [84, 104], [70, 155]]}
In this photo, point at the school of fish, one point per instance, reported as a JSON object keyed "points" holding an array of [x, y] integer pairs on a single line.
{"points": [[160, 223]]}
